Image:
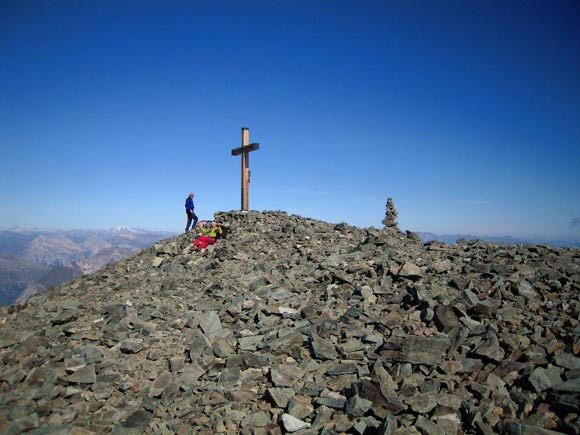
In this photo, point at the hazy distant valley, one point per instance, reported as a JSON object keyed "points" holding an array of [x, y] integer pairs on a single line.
{"points": [[33, 261]]}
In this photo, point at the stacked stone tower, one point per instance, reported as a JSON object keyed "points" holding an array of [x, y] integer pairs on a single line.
{"points": [[390, 220]]}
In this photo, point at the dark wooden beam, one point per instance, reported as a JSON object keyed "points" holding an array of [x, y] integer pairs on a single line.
{"points": [[247, 148]]}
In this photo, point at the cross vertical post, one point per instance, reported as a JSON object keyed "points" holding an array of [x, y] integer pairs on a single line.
{"points": [[245, 169], [243, 152]]}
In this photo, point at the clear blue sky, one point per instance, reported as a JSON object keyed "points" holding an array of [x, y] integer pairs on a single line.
{"points": [[467, 113]]}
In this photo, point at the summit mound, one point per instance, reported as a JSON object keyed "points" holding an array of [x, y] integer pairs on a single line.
{"points": [[293, 325]]}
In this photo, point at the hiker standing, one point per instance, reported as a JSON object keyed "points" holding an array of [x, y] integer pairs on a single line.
{"points": [[191, 216]]}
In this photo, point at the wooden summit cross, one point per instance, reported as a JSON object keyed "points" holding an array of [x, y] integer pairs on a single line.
{"points": [[244, 151]]}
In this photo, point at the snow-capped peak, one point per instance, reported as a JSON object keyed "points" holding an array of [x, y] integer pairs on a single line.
{"points": [[124, 229]]}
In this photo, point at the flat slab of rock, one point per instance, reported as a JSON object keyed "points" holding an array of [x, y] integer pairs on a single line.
{"points": [[293, 424]]}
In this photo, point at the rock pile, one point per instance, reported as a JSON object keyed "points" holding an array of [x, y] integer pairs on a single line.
{"points": [[390, 220], [292, 325]]}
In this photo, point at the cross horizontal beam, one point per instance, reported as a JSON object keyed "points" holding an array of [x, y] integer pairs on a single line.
{"points": [[247, 148]]}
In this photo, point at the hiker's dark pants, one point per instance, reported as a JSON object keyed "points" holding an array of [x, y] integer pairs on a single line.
{"points": [[191, 216]]}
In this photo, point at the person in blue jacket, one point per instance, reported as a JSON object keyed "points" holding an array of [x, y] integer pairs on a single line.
{"points": [[191, 216]]}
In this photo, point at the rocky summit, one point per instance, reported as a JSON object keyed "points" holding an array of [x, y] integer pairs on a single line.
{"points": [[294, 325]]}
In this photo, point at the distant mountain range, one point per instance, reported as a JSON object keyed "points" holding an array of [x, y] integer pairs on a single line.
{"points": [[452, 238], [32, 261]]}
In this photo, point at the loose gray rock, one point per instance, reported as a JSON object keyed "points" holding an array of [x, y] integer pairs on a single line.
{"points": [[281, 396], [84, 375], [293, 324], [286, 375], [357, 406], [300, 406], [131, 346], [135, 424], [544, 378], [293, 424]]}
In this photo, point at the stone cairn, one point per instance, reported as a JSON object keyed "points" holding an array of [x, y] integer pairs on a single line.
{"points": [[293, 325], [390, 220]]}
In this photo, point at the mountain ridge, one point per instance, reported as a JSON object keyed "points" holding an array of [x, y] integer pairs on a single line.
{"points": [[453, 238], [39, 258]]}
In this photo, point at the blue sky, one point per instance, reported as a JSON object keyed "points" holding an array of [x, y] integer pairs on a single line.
{"points": [[467, 113]]}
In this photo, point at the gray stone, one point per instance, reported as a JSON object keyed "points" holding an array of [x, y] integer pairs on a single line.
{"points": [[450, 401], [257, 419], [357, 406], [131, 346], [544, 378], [84, 375], [366, 424], [258, 283], [445, 318], [323, 349], [525, 289], [160, 385], [250, 343], [52, 430], [410, 270], [70, 305], [293, 424], [176, 364], [514, 428], [441, 266], [134, 424], [470, 298], [300, 406], [353, 345], [422, 350], [222, 349], [281, 396], [286, 375], [343, 369], [332, 401], [485, 308], [23, 424], [569, 386], [429, 426], [567, 360], [189, 377], [65, 317], [419, 293], [9, 338], [229, 377], [491, 349], [422, 403], [92, 354], [211, 324], [288, 340]]}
